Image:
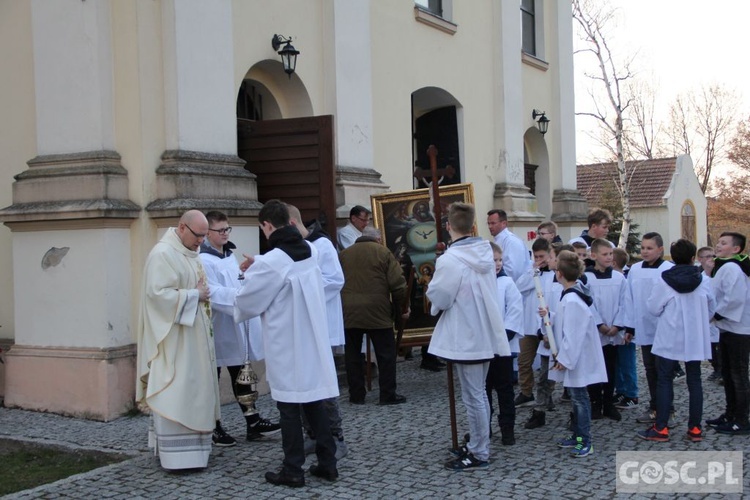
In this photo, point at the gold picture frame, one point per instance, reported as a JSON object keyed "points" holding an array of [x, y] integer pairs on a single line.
{"points": [[407, 227]]}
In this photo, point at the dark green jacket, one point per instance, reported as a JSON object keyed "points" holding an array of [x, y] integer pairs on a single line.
{"points": [[373, 283]]}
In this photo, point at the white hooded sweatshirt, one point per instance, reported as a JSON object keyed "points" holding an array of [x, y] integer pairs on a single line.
{"points": [[464, 288]]}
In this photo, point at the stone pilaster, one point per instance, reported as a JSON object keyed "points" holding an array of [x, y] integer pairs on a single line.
{"points": [[205, 181], [518, 202], [354, 186], [88, 185]]}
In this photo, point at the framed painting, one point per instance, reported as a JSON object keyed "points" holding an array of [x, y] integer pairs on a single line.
{"points": [[407, 227]]}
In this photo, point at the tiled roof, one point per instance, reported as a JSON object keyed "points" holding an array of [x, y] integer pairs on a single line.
{"points": [[649, 183]]}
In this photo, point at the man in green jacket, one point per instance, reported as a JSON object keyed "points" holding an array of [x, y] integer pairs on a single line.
{"points": [[373, 283]]}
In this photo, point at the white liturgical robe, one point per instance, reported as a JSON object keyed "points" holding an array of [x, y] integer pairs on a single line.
{"points": [[176, 364], [235, 342], [289, 298]]}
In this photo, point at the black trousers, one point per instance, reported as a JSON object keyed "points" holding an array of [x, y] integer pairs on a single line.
{"points": [[602, 394], [293, 442], [500, 379], [735, 354], [716, 356], [233, 372], [385, 351], [649, 363]]}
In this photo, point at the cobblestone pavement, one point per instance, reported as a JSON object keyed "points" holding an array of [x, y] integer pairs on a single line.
{"points": [[395, 452]]}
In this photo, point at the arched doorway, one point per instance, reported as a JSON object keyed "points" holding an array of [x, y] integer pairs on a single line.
{"points": [[290, 151], [687, 219], [437, 119], [536, 170]]}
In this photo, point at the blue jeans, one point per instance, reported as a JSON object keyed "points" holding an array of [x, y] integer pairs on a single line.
{"points": [[626, 379], [579, 397], [472, 379], [665, 391]]}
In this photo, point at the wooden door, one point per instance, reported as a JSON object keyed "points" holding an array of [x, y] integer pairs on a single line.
{"points": [[293, 161]]}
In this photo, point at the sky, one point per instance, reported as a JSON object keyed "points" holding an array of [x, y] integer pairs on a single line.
{"points": [[678, 44]]}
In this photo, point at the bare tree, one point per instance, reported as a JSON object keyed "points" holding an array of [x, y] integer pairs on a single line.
{"points": [[594, 20], [701, 124], [642, 132]]}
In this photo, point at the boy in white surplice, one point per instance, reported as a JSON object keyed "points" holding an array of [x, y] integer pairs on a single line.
{"points": [[285, 288]]}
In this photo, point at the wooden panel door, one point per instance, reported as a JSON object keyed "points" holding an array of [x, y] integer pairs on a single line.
{"points": [[293, 161]]}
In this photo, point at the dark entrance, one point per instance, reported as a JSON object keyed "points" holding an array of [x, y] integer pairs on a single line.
{"points": [[438, 127]]}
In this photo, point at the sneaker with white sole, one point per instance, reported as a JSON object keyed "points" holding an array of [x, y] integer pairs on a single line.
{"points": [[261, 428], [582, 449], [221, 438], [568, 442], [467, 462], [627, 403]]}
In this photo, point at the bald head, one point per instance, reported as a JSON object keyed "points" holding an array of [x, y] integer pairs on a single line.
{"points": [[295, 219], [193, 216], [192, 229]]}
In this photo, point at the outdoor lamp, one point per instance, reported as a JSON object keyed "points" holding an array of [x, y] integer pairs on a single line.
{"points": [[288, 53], [542, 123]]}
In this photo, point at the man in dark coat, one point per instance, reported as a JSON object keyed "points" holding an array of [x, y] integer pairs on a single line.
{"points": [[373, 284]]}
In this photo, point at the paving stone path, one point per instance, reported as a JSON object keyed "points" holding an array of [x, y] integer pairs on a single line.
{"points": [[395, 452]]}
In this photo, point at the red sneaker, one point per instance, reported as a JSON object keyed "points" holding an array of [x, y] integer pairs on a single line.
{"points": [[695, 434]]}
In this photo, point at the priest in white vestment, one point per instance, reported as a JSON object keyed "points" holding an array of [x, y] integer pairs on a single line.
{"points": [[176, 363]]}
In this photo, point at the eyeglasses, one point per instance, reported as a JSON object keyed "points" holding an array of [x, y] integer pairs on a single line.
{"points": [[363, 219], [194, 233], [223, 230]]}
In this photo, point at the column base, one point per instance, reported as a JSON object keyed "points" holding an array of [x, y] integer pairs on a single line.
{"points": [[518, 203], [569, 206], [96, 384], [354, 186], [204, 181]]}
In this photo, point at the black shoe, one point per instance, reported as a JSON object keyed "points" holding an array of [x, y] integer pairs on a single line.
{"points": [[282, 477], [357, 401], [327, 474], [261, 428], [678, 373], [508, 435], [467, 462], [432, 366], [733, 428], [627, 403], [721, 420], [221, 438], [523, 400], [611, 412], [538, 419], [397, 399]]}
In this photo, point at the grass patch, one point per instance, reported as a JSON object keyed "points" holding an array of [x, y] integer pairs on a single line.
{"points": [[27, 465]]}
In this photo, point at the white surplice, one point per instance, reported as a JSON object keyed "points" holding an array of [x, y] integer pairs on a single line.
{"points": [[289, 298]]}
